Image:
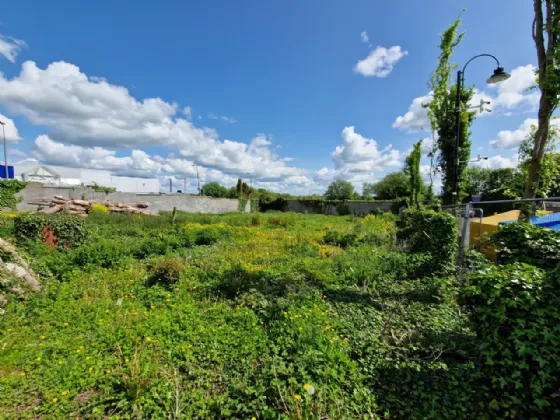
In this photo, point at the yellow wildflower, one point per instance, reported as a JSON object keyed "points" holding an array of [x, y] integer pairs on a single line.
{"points": [[54, 400], [42, 337], [90, 370], [66, 324], [64, 392], [297, 397], [148, 339], [87, 358], [153, 306], [22, 374], [38, 359], [306, 386], [108, 371]]}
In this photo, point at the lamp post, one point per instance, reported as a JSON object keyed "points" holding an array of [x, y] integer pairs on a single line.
{"points": [[499, 76], [5, 151], [197, 179]]}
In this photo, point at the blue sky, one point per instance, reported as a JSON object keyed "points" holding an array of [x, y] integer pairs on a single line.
{"points": [[271, 88]]}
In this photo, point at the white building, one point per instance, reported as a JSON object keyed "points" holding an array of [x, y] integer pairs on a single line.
{"points": [[32, 170]]}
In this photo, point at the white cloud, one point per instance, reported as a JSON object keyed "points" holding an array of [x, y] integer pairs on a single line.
{"points": [[187, 112], [380, 62], [360, 154], [497, 162], [364, 37], [416, 119], [17, 153], [513, 92], [229, 120], [511, 139], [92, 113], [12, 134], [10, 47], [504, 97]]}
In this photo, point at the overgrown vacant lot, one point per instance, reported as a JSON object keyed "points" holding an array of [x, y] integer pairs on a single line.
{"points": [[236, 316]]}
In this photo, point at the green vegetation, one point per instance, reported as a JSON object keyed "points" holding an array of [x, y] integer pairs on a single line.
{"points": [[394, 185], [279, 316], [236, 316], [339, 190], [8, 189]]}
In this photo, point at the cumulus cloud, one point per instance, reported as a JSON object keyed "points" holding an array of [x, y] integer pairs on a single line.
{"points": [[95, 115], [416, 119], [504, 97], [364, 36], [10, 47], [497, 162], [12, 134], [380, 62], [360, 154], [512, 139]]}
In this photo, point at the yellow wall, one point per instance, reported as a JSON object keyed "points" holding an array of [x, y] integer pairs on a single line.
{"points": [[479, 232]]}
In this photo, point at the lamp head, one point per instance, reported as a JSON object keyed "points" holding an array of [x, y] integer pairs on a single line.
{"points": [[499, 76]]}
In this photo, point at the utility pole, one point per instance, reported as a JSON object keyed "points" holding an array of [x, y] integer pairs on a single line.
{"points": [[170, 186], [5, 151], [197, 179]]}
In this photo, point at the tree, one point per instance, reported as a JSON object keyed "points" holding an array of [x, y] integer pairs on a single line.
{"points": [[213, 189], [368, 190], [412, 169], [232, 193], [546, 34], [339, 190], [549, 173], [243, 190], [441, 112], [392, 186]]}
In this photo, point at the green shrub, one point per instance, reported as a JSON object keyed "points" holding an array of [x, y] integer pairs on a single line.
{"points": [[515, 313], [427, 231], [98, 209], [165, 271], [283, 221], [8, 189], [343, 210], [340, 239], [69, 231], [102, 254], [256, 220], [523, 242]]}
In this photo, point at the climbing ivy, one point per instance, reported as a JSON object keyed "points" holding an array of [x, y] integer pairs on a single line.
{"points": [[8, 189]]}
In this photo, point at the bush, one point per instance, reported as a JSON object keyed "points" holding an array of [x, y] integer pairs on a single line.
{"points": [[69, 231], [8, 189], [283, 221], [256, 220], [343, 210], [523, 242], [515, 313], [427, 231], [102, 254], [98, 209], [165, 271]]}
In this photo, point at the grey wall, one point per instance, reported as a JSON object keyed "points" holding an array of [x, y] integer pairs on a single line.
{"points": [[156, 202], [356, 207]]}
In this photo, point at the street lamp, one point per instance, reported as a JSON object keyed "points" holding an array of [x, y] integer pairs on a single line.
{"points": [[499, 76], [5, 151], [197, 179], [478, 159]]}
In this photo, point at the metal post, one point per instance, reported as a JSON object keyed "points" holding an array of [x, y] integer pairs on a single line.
{"points": [[466, 232], [170, 186], [5, 151], [455, 197]]}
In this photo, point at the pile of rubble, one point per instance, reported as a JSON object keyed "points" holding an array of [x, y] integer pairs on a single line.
{"points": [[68, 205]]}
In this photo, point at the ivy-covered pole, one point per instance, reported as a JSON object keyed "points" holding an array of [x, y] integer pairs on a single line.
{"points": [[498, 76]]}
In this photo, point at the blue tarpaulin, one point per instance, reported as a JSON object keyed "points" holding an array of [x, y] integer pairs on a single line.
{"points": [[550, 221], [3, 171]]}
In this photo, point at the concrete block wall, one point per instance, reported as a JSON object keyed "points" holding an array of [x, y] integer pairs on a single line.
{"points": [[156, 202], [359, 208]]}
